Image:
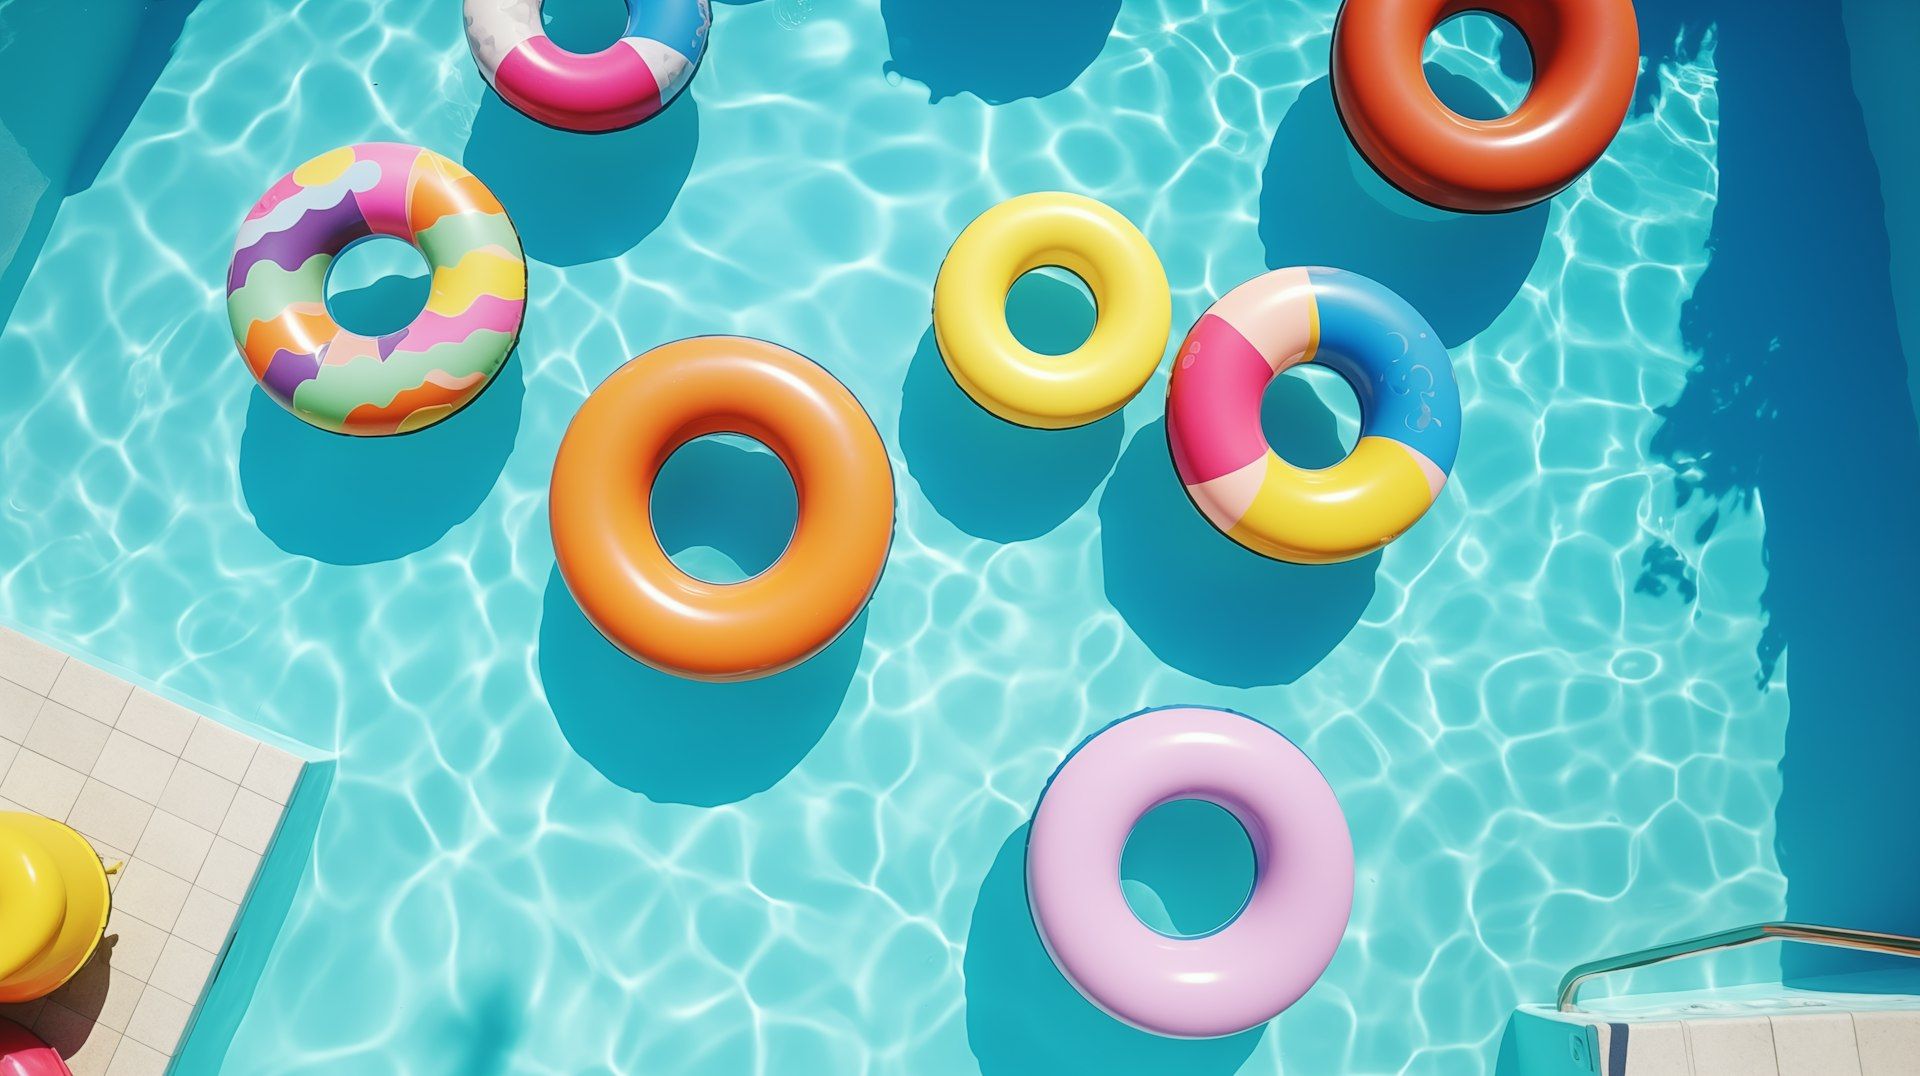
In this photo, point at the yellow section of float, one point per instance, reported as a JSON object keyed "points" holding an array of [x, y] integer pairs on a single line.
{"points": [[1341, 512], [53, 905]]}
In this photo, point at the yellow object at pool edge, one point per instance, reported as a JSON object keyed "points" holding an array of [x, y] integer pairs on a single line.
{"points": [[53, 905], [1095, 243]]}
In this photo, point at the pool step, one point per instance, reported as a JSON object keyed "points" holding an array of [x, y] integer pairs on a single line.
{"points": [[1847, 1027], [1877, 1035]]}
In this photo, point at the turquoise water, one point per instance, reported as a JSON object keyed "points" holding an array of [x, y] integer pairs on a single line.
{"points": [[1543, 709]]}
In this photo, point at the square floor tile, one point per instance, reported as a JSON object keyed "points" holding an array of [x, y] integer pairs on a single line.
{"points": [[103, 992], [133, 1059], [229, 870], [272, 774], [93, 692], [206, 919], [198, 796], [219, 750], [135, 767], [103, 813], [158, 1019], [251, 821], [8, 749], [67, 736], [17, 709], [183, 970], [109, 854], [150, 894], [30, 664], [86, 1046], [155, 720], [41, 785], [175, 845], [23, 1013], [136, 942]]}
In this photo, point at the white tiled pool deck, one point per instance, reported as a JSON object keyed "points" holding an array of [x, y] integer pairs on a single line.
{"points": [[188, 804]]}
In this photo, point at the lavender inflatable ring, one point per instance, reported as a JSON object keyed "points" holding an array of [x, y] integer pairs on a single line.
{"points": [[1248, 971]]}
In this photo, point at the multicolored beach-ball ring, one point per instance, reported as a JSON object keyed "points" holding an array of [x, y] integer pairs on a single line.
{"points": [[337, 379], [1388, 355], [619, 86]]}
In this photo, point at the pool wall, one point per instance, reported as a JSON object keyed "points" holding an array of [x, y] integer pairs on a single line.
{"points": [[1881, 37], [204, 1046], [72, 75]]}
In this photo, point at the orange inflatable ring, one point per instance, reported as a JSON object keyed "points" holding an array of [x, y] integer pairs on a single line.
{"points": [[602, 520], [1586, 56]]}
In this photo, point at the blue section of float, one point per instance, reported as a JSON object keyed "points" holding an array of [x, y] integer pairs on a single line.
{"points": [[679, 24], [1393, 360]]}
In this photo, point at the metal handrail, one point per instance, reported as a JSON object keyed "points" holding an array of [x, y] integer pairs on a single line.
{"points": [[1836, 937]]}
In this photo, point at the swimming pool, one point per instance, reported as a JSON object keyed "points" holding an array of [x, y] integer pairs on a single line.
{"points": [[1555, 712]]}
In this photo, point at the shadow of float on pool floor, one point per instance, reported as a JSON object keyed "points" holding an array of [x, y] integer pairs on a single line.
{"points": [[578, 198], [1201, 602], [997, 50], [724, 507], [1023, 1017], [1321, 204], [360, 500], [991, 478], [1842, 581], [683, 741]]}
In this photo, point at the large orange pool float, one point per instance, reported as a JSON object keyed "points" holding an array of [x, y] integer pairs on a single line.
{"points": [[603, 534], [1586, 56]]}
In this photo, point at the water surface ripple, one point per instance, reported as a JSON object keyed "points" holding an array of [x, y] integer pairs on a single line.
{"points": [[538, 860]]}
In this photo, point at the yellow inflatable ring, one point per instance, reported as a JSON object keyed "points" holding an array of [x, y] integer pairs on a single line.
{"points": [[53, 905], [1096, 244]]}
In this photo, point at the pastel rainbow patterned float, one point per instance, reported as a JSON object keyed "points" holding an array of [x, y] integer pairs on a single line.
{"points": [[1409, 408], [616, 87], [339, 380]]}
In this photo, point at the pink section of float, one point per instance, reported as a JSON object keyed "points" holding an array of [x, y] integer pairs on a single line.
{"points": [[1213, 421], [23, 1054], [606, 90]]}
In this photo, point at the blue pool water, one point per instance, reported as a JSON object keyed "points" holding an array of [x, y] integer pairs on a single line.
{"points": [[1559, 713]]}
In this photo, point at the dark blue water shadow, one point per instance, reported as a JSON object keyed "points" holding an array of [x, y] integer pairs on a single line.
{"points": [[1512, 56], [583, 197], [732, 497], [1799, 402], [486, 1028], [997, 50], [1024, 1017], [358, 500], [1515, 58], [1201, 602], [386, 304], [584, 26], [989, 477], [1187, 868], [1322, 204], [684, 741]]}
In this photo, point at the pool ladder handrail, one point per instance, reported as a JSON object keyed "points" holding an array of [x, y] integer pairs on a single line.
{"points": [[1867, 941]]}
